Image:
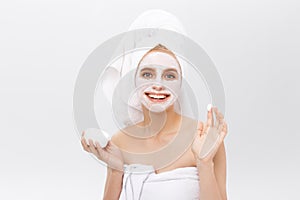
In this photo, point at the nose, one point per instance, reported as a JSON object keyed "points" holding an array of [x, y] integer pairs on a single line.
{"points": [[157, 87]]}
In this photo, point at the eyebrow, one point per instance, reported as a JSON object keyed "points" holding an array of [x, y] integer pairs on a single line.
{"points": [[170, 69], [147, 68], [151, 69]]}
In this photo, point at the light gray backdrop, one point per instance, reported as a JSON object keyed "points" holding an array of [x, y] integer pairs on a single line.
{"points": [[255, 45]]}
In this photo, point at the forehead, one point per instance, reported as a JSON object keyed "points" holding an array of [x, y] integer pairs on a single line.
{"points": [[160, 59]]}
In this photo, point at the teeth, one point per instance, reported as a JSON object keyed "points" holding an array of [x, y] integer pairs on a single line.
{"points": [[157, 96]]}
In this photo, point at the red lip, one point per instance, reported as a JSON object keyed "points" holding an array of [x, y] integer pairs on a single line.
{"points": [[147, 93], [153, 99]]}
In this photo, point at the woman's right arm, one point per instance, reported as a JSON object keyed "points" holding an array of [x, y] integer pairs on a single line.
{"points": [[112, 156], [113, 185]]}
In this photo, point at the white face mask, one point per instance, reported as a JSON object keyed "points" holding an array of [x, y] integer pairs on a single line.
{"points": [[158, 81]]}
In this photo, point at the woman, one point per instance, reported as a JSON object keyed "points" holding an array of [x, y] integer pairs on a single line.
{"points": [[158, 80]]}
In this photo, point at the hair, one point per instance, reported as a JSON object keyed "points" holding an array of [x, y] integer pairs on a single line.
{"points": [[161, 48]]}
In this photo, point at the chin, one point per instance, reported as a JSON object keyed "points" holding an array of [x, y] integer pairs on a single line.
{"points": [[157, 108]]}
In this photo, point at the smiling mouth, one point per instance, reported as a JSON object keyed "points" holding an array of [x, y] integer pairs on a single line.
{"points": [[157, 97]]}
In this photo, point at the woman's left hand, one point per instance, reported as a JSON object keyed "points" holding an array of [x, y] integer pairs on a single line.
{"points": [[204, 129]]}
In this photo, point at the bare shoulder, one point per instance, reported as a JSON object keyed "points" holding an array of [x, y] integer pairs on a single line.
{"points": [[191, 122], [120, 138]]}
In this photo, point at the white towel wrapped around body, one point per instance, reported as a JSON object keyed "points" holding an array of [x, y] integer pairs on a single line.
{"points": [[140, 182]]}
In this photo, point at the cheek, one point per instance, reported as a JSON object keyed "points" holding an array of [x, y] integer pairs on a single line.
{"points": [[173, 86], [139, 81], [142, 85]]}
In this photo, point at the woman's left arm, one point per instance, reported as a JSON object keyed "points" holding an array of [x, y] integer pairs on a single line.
{"points": [[212, 176], [212, 167], [220, 170]]}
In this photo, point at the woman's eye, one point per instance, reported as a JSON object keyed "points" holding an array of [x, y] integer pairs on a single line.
{"points": [[147, 75], [170, 76]]}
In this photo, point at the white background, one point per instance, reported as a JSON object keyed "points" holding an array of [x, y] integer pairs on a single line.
{"points": [[255, 45]]}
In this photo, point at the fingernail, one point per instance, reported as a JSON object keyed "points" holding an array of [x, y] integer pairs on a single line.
{"points": [[209, 106]]}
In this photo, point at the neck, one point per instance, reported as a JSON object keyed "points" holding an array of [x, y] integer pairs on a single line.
{"points": [[169, 120]]}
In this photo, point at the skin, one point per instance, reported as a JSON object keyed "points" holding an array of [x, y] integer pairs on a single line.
{"points": [[211, 168]]}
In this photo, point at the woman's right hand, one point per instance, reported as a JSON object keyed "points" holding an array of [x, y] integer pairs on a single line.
{"points": [[110, 154]]}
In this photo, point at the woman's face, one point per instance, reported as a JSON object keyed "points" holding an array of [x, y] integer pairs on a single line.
{"points": [[158, 81]]}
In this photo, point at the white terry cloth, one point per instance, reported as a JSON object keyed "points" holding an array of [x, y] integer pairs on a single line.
{"points": [[140, 182]]}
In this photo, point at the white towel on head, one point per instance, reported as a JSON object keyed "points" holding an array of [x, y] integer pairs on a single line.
{"points": [[140, 182], [131, 109]]}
